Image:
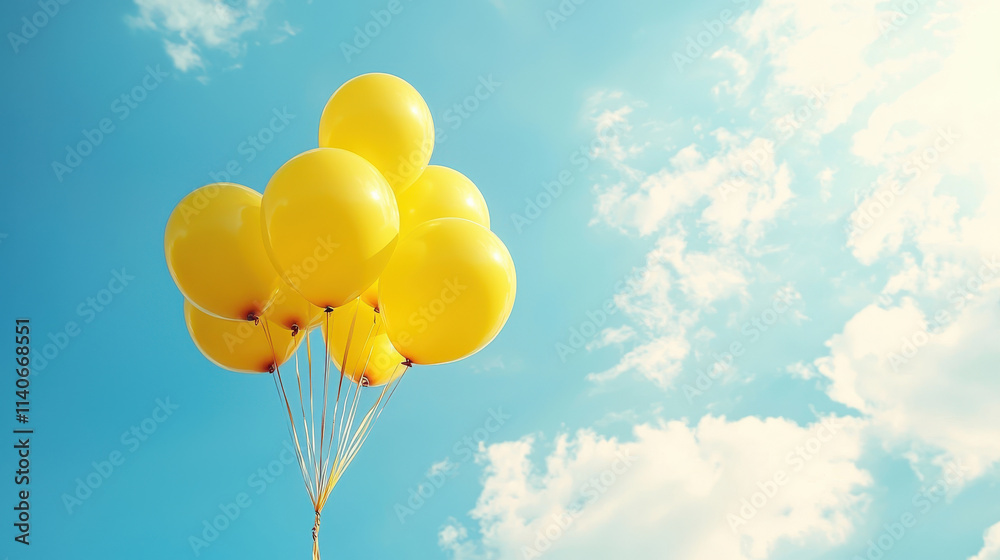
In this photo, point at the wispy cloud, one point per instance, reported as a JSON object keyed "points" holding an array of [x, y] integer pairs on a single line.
{"points": [[193, 28]]}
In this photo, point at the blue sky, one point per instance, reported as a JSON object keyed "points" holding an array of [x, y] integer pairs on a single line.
{"points": [[756, 246]]}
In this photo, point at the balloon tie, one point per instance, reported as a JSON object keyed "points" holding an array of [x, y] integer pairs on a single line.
{"points": [[328, 309], [295, 330], [315, 535], [407, 363]]}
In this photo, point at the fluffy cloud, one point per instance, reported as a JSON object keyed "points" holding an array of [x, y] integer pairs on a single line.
{"points": [[921, 362], [719, 490], [927, 380], [991, 545], [193, 25]]}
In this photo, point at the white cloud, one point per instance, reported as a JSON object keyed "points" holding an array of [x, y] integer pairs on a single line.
{"points": [[822, 43], [991, 545], [190, 26], [744, 186], [286, 30], [443, 467], [934, 147], [658, 360], [927, 381], [674, 491], [612, 336], [184, 55], [734, 196]]}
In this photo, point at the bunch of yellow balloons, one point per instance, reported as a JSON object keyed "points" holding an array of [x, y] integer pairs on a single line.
{"points": [[392, 257], [362, 226]]}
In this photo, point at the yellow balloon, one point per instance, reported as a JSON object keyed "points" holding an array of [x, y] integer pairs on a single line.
{"points": [[440, 192], [447, 291], [383, 119], [370, 296], [370, 356], [330, 224], [291, 311], [215, 252], [239, 346]]}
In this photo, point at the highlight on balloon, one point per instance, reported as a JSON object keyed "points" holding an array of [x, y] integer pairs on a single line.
{"points": [[358, 261]]}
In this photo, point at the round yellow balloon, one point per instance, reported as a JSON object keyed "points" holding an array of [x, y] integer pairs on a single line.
{"points": [[370, 356], [239, 346], [447, 291], [370, 296], [330, 224], [291, 311], [441, 192], [215, 252], [383, 119]]}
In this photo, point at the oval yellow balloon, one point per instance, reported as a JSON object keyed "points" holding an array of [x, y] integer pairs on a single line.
{"points": [[215, 252], [370, 356], [330, 224], [291, 311], [440, 192], [383, 119], [239, 346], [447, 291]]}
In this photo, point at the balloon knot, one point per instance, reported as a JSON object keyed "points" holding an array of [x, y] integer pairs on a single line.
{"points": [[271, 368], [407, 363], [315, 531], [295, 330], [253, 317], [329, 309]]}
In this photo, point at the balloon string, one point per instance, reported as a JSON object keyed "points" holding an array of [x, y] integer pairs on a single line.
{"points": [[302, 407], [367, 426], [349, 438], [395, 383], [357, 391], [326, 398], [276, 373], [312, 414], [326, 482]]}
